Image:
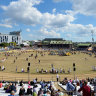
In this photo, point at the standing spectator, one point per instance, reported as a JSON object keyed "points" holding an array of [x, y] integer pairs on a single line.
{"points": [[85, 89], [69, 87], [37, 70], [16, 58], [57, 77], [3, 68], [22, 70], [0, 68], [14, 61], [16, 68], [39, 61], [60, 70]]}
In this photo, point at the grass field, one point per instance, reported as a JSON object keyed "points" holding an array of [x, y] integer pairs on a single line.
{"points": [[83, 67]]}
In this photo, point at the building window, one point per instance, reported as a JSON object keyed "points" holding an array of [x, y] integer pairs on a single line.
{"points": [[5, 37], [17, 38]]}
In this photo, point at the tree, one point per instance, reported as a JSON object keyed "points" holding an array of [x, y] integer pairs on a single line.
{"points": [[4, 44], [12, 43], [22, 45]]}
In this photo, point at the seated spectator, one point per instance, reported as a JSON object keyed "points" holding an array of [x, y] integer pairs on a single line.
{"points": [[48, 93], [29, 90], [34, 92], [40, 92], [21, 82], [13, 88], [60, 93], [12, 93], [29, 82], [7, 89], [22, 91], [34, 81], [1, 84]]}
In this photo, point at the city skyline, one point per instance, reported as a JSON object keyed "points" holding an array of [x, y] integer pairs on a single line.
{"points": [[38, 19]]}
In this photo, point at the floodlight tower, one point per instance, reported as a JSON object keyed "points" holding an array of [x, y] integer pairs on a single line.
{"points": [[92, 32]]}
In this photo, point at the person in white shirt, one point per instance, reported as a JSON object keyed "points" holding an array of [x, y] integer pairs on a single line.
{"points": [[3, 68], [57, 77], [22, 70]]}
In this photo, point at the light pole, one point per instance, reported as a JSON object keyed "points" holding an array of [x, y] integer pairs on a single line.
{"points": [[74, 69], [28, 70], [92, 32]]}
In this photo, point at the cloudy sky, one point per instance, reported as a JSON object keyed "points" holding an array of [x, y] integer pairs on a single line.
{"points": [[38, 19]]}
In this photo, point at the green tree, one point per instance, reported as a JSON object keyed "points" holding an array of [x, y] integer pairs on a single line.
{"points": [[22, 45], [12, 43], [4, 44]]}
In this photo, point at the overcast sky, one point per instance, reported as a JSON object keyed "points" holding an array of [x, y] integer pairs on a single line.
{"points": [[38, 19]]}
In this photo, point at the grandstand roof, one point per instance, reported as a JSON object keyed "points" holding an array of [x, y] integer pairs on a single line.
{"points": [[61, 42], [84, 44], [53, 39], [56, 42]]}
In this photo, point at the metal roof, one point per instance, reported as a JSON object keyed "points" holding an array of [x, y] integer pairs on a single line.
{"points": [[86, 44], [61, 42]]}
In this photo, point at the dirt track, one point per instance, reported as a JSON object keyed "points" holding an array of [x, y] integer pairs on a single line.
{"points": [[13, 77]]}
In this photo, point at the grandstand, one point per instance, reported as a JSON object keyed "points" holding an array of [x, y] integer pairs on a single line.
{"points": [[56, 43]]}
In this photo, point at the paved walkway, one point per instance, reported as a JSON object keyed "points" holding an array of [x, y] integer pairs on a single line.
{"points": [[58, 87]]}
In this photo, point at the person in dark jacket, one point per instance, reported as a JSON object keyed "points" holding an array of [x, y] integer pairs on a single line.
{"points": [[13, 88], [29, 90], [21, 82], [22, 91]]}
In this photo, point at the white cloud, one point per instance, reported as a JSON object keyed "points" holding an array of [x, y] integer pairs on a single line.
{"points": [[23, 11], [49, 33], [54, 10], [79, 29], [6, 25], [85, 7], [9, 21], [69, 35], [28, 30], [58, 20], [35, 37]]}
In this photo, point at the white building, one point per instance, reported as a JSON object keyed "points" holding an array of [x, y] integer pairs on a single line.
{"points": [[14, 36]]}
